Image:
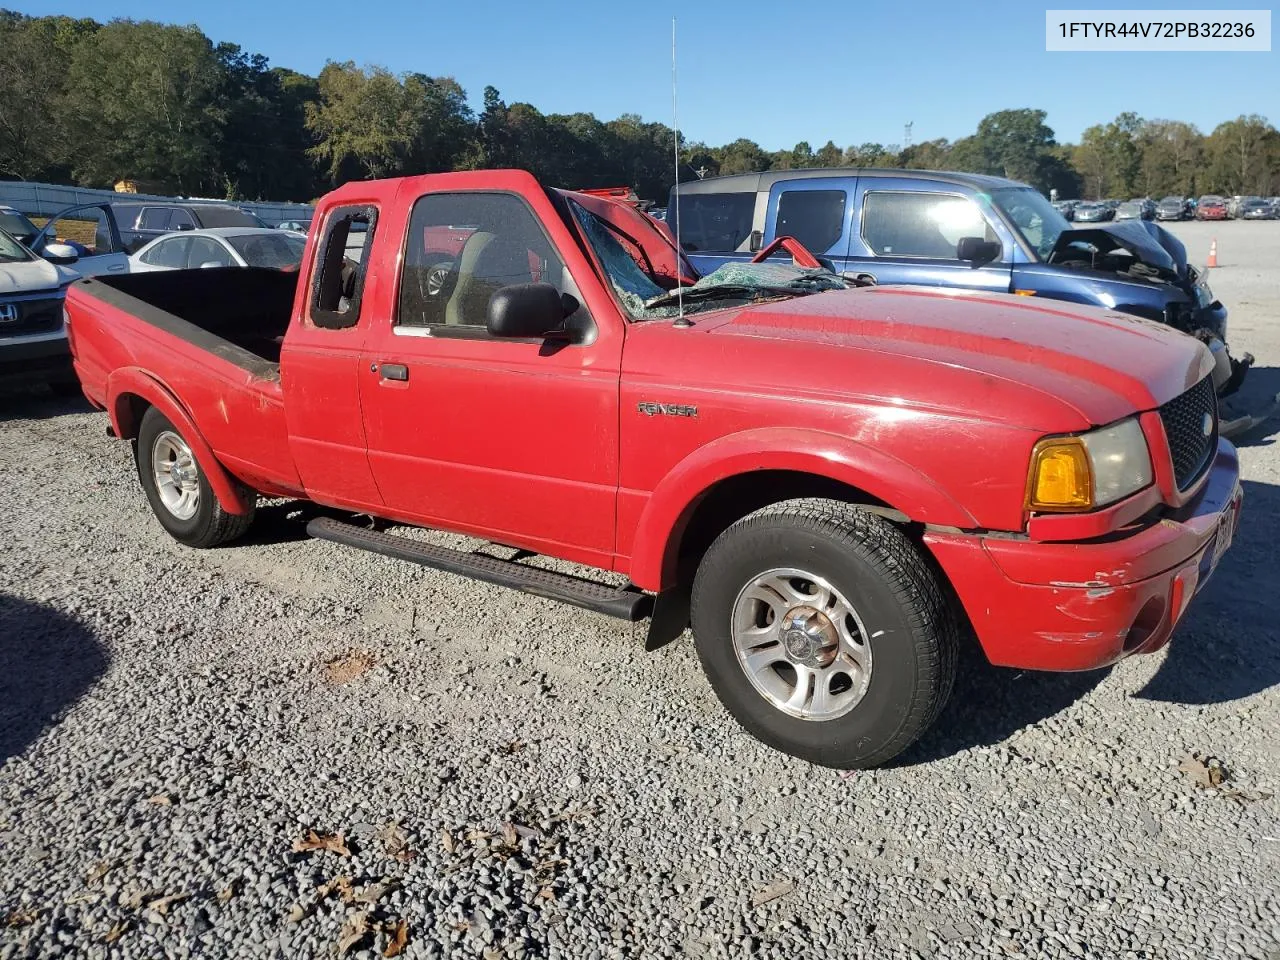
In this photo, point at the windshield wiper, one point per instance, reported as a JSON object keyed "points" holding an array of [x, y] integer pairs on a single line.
{"points": [[721, 291]]}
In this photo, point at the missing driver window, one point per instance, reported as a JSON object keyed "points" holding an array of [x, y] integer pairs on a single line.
{"points": [[339, 281]]}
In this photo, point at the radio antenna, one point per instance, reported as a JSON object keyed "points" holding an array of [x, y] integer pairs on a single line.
{"points": [[675, 190]]}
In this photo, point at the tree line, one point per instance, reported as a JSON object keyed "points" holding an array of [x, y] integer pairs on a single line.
{"points": [[90, 103]]}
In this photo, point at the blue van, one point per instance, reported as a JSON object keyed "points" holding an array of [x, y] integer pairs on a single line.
{"points": [[956, 230]]}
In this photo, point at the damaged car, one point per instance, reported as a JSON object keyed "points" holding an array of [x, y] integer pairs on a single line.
{"points": [[963, 230]]}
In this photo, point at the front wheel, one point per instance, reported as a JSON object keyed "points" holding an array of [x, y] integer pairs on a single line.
{"points": [[177, 489], [824, 632]]}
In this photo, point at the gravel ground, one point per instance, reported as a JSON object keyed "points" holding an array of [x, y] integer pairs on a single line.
{"points": [[516, 779]]}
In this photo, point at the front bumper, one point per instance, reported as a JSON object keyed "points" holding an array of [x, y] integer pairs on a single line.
{"points": [[1078, 606], [38, 359]]}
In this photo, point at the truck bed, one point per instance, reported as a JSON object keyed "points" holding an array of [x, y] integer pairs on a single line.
{"points": [[240, 315], [211, 337]]}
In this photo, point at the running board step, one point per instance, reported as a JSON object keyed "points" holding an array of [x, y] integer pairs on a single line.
{"points": [[626, 603]]}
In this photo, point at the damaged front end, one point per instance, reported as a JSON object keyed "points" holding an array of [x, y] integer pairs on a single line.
{"points": [[1141, 252]]}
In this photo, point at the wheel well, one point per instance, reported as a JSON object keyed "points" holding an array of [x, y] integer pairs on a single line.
{"points": [[735, 497], [130, 409]]}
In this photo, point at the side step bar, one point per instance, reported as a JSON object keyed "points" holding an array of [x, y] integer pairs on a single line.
{"points": [[626, 603]]}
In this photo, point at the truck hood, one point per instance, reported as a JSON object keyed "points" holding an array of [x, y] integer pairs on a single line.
{"points": [[1104, 365], [1150, 243], [32, 276]]}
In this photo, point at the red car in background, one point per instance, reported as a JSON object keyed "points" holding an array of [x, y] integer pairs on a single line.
{"points": [[1211, 208]]}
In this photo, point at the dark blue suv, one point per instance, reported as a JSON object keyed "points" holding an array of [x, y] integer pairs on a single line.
{"points": [[955, 230]]}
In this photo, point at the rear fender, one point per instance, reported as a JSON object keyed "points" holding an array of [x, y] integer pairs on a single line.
{"points": [[126, 382], [655, 548]]}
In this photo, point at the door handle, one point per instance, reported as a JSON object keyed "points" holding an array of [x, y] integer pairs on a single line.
{"points": [[117, 267], [860, 278], [392, 371]]}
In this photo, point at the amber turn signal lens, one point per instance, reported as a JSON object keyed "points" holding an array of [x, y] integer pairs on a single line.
{"points": [[1060, 476]]}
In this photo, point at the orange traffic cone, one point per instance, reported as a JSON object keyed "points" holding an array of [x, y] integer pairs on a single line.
{"points": [[1213, 253]]}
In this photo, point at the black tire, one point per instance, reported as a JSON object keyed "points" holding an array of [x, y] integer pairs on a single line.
{"points": [[210, 524], [911, 627]]}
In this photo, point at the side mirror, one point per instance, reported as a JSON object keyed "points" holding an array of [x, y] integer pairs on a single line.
{"points": [[529, 311], [186, 226], [755, 240], [62, 254], [210, 263], [977, 251]]}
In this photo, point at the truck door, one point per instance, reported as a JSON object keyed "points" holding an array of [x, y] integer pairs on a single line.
{"points": [[908, 231], [320, 364], [816, 211], [510, 440]]}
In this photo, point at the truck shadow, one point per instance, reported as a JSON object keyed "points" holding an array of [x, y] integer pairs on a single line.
{"points": [[1259, 392], [47, 662], [285, 521], [1227, 648], [38, 403]]}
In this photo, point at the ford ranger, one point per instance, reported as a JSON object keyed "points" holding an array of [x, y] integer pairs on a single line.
{"points": [[831, 484]]}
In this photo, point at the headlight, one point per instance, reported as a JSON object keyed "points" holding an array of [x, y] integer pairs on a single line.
{"points": [[1078, 473]]}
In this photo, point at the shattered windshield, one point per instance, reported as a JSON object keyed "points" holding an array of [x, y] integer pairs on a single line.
{"points": [[1033, 215], [644, 299]]}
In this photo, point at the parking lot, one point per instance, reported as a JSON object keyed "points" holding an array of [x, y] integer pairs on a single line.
{"points": [[512, 778]]}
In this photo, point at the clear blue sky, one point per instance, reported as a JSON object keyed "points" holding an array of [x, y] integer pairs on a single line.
{"points": [[851, 72]]}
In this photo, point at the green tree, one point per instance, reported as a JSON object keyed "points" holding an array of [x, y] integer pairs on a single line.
{"points": [[742, 156], [1244, 155], [34, 56], [143, 100], [828, 155], [1171, 155]]}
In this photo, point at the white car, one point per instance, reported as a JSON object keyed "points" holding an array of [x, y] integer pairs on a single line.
{"points": [[33, 340], [221, 247]]}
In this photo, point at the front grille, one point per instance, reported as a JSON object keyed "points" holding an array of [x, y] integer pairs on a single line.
{"points": [[33, 316], [1184, 419]]}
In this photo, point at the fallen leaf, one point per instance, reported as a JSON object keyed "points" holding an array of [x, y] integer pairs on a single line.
{"points": [[399, 937], [528, 833], [447, 841], [395, 842], [160, 800], [226, 893], [509, 835], [475, 834], [117, 931], [1245, 797], [135, 899], [300, 911], [1205, 772], [99, 870], [779, 888], [462, 926], [549, 865], [513, 746], [374, 892], [333, 842], [345, 667], [546, 893], [162, 905], [353, 933], [339, 885], [20, 918]]}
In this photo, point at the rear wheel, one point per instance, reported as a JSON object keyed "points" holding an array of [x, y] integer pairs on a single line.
{"points": [[824, 632], [177, 488]]}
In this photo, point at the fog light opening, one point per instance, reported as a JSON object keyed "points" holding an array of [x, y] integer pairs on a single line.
{"points": [[1145, 624]]}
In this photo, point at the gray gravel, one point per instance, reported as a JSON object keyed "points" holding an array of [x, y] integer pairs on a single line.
{"points": [[171, 724]]}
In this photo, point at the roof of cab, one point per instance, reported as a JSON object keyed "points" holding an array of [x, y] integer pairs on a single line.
{"points": [[752, 182]]}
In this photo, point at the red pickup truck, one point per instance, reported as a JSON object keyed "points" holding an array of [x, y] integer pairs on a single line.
{"points": [[831, 484]]}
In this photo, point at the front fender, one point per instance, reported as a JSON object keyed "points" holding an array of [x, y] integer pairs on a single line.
{"points": [[125, 382], [874, 472]]}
